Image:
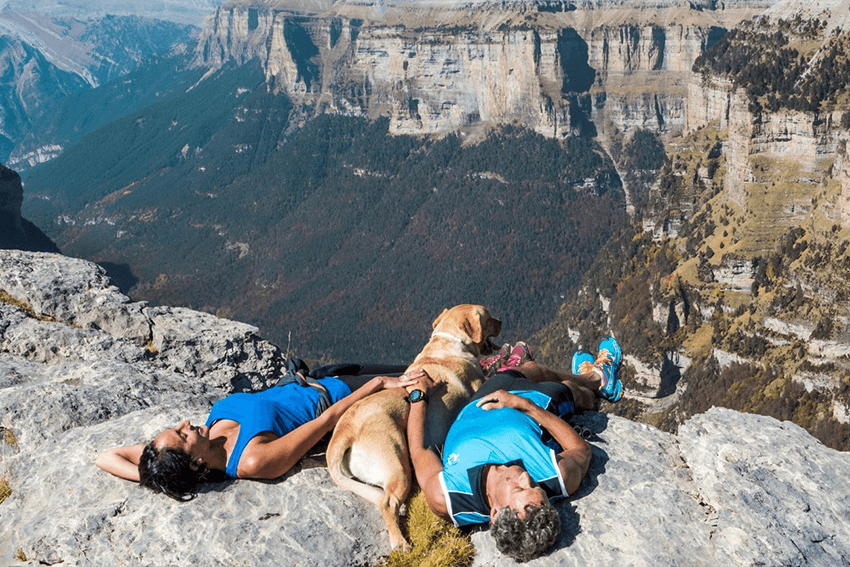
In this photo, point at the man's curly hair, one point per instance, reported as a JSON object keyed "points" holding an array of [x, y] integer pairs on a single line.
{"points": [[527, 538]]}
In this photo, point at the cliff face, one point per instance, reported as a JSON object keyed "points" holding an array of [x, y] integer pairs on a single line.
{"points": [[16, 231], [807, 141], [84, 369], [745, 255], [452, 67]]}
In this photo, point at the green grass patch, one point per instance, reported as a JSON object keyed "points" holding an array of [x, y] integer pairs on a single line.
{"points": [[435, 542]]}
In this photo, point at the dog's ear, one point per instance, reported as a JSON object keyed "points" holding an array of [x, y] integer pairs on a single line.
{"points": [[480, 325], [473, 324], [439, 318]]}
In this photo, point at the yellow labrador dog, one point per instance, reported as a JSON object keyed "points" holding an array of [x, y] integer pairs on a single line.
{"points": [[368, 452]]}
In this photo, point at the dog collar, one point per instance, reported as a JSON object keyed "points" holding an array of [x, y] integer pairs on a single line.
{"points": [[443, 335]]}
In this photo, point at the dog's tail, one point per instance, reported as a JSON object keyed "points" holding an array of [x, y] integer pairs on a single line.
{"points": [[339, 465]]}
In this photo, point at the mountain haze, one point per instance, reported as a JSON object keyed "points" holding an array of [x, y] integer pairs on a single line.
{"points": [[189, 12], [48, 59]]}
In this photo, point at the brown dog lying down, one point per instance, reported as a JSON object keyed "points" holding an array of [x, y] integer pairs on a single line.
{"points": [[369, 450]]}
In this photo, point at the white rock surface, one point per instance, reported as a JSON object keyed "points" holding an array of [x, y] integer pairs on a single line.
{"points": [[730, 490]]}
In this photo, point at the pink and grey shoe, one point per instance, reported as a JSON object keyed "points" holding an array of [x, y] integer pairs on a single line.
{"points": [[491, 364], [519, 353]]}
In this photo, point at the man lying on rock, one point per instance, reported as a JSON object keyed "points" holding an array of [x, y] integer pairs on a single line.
{"points": [[258, 435], [510, 450]]}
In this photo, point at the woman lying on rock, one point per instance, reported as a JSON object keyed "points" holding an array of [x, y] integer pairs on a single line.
{"points": [[258, 435]]}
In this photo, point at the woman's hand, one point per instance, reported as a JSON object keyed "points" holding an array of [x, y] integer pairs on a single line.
{"points": [[503, 399], [403, 381]]}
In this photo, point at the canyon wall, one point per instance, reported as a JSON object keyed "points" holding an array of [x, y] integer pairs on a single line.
{"points": [[440, 67]]}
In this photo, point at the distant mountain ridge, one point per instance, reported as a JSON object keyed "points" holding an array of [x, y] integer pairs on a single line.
{"points": [[188, 12], [48, 59]]}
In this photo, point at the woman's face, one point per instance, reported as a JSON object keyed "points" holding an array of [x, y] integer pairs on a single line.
{"points": [[191, 439]]}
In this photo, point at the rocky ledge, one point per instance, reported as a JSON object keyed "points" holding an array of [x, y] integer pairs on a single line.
{"points": [[83, 369]]}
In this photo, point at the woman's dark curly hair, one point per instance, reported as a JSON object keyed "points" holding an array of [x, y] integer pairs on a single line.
{"points": [[527, 538], [171, 472]]}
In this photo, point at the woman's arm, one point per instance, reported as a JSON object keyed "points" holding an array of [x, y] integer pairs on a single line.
{"points": [[574, 460], [268, 459], [123, 462]]}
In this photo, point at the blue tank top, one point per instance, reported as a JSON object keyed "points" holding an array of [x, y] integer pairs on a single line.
{"points": [[280, 410], [511, 438]]}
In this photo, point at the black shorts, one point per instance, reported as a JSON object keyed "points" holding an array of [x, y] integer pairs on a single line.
{"points": [[562, 405]]}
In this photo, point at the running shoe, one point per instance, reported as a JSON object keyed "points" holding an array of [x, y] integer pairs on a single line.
{"points": [[489, 364], [582, 362], [606, 365], [610, 347], [519, 354]]}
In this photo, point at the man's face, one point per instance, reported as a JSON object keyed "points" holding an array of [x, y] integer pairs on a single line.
{"points": [[515, 489]]}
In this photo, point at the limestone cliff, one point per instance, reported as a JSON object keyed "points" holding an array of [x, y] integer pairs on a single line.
{"points": [[736, 293], [441, 66], [16, 231], [83, 369]]}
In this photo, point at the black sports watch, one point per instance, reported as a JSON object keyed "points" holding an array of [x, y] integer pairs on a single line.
{"points": [[417, 396]]}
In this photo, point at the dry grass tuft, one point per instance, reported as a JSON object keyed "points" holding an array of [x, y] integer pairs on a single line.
{"points": [[9, 437], [435, 542], [5, 490], [6, 298]]}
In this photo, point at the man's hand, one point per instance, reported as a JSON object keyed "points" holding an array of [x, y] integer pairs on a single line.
{"points": [[503, 399], [422, 381]]}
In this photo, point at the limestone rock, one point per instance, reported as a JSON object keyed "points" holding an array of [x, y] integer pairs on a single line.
{"points": [[227, 352], [16, 231], [71, 292], [445, 65], [730, 490]]}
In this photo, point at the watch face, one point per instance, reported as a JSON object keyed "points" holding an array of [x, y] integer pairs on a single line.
{"points": [[416, 396]]}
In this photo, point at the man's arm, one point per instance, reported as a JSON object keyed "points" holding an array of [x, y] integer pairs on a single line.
{"points": [[574, 460], [426, 464]]}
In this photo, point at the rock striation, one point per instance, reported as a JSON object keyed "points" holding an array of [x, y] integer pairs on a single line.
{"points": [[84, 369], [446, 66]]}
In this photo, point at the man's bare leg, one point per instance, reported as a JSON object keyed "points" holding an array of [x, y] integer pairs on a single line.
{"points": [[585, 387]]}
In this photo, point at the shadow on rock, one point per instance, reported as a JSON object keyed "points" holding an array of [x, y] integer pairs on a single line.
{"points": [[594, 423], [671, 373]]}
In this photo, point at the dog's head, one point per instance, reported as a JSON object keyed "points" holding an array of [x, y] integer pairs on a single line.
{"points": [[473, 321]]}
